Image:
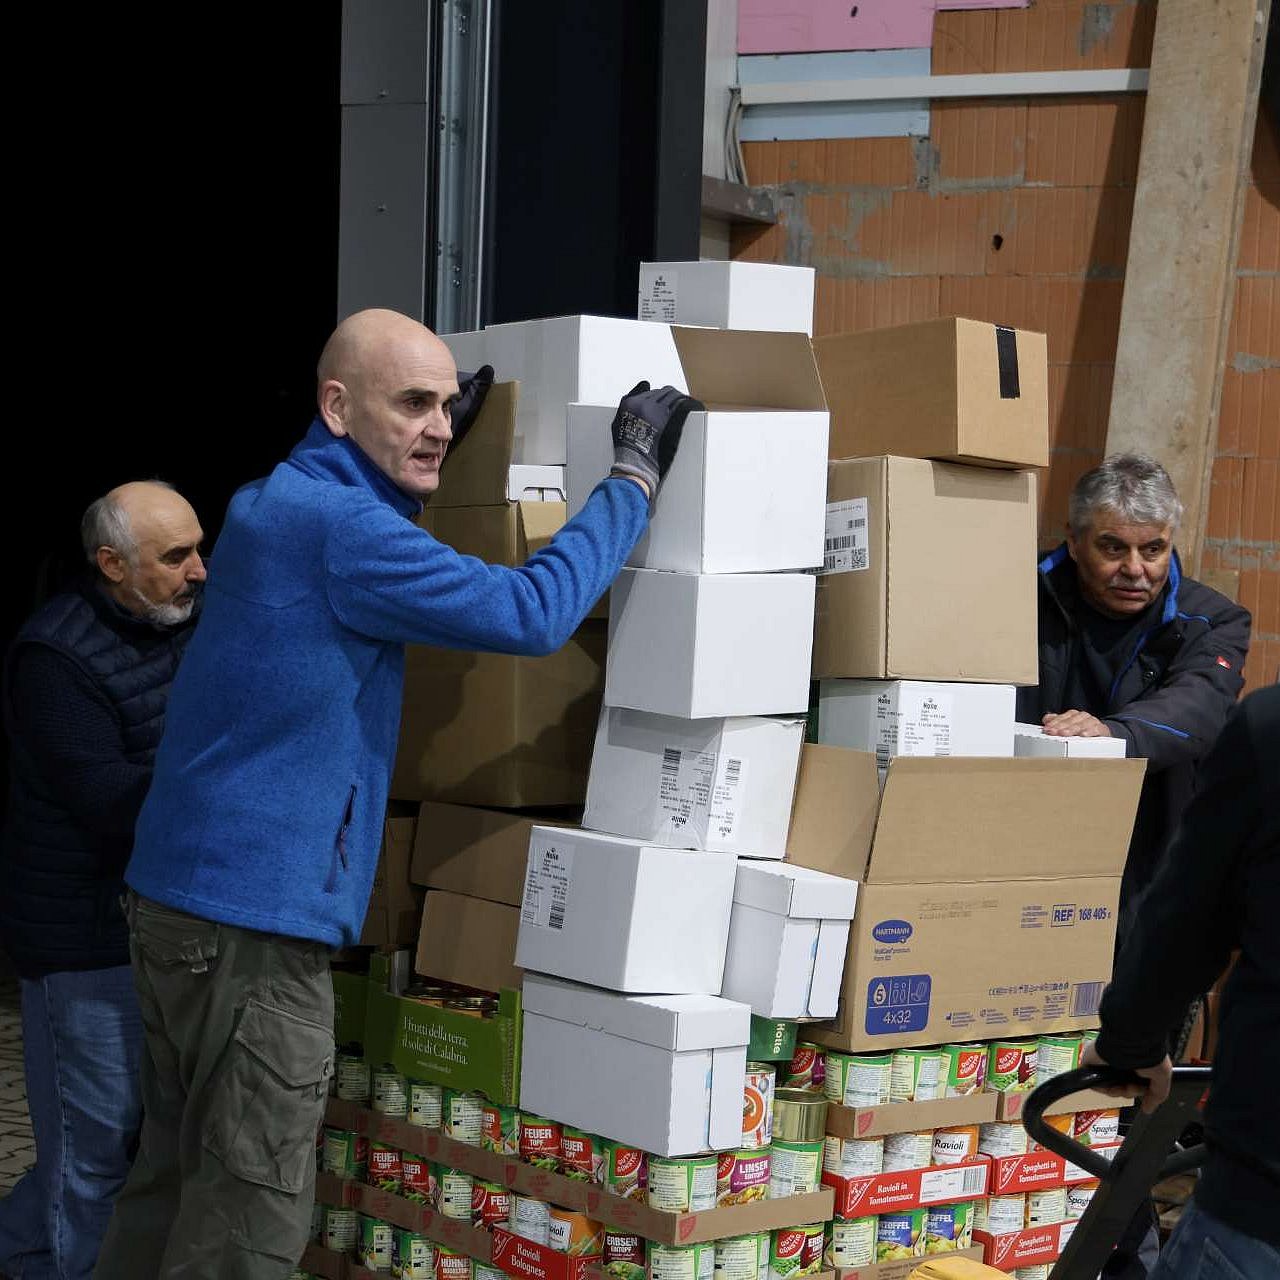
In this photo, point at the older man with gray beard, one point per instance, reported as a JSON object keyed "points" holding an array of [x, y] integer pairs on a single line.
{"points": [[86, 684]]}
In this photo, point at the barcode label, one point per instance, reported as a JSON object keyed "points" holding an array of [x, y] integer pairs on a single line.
{"points": [[939, 1185], [671, 762], [555, 917], [726, 797], [1085, 998], [845, 546], [684, 787], [548, 876]]}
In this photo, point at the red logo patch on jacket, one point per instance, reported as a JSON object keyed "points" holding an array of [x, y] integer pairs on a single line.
{"points": [[1222, 662]]}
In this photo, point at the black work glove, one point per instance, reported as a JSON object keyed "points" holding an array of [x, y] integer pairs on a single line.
{"points": [[465, 408], [646, 431]]}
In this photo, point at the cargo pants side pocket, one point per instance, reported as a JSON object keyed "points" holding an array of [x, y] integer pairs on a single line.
{"points": [[268, 1096]]}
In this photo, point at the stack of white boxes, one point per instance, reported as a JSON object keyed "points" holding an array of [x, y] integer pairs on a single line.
{"points": [[652, 934]]}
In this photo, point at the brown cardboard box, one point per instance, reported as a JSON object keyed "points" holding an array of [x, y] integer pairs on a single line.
{"points": [[987, 906], [394, 904], [953, 389], [948, 543], [479, 852], [834, 812], [491, 729], [469, 941]]}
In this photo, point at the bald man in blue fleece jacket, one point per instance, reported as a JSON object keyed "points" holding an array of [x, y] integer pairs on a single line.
{"points": [[255, 852]]}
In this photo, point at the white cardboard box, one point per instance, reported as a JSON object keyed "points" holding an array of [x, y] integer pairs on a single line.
{"points": [[727, 295], [699, 645], [746, 492], [787, 939], [916, 718], [625, 915], [1030, 740], [662, 1073], [567, 360], [720, 784]]}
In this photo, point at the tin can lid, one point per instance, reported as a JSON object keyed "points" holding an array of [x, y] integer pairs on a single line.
{"points": [[799, 1115]]}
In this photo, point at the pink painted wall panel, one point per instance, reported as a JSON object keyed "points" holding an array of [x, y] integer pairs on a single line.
{"points": [[982, 4], [812, 26]]}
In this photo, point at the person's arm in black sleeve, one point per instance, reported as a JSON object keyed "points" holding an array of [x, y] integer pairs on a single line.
{"points": [[72, 734], [1186, 924], [1181, 719]]}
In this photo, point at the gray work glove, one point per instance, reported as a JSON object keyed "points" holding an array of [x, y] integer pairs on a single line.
{"points": [[646, 431]]}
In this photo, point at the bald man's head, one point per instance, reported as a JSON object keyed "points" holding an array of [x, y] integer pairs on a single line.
{"points": [[144, 539], [387, 382]]}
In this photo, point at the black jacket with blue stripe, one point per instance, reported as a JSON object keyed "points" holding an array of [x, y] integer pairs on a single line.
{"points": [[1170, 693]]}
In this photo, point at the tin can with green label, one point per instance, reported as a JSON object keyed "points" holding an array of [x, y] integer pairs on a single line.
{"points": [[490, 1204], [456, 1191], [418, 1179], [580, 1154], [390, 1092], [1056, 1055], [345, 1153], [743, 1257], [964, 1069], [796, 1251], [374, 1249], [743, 1176], [808, 1067], [681, 1261], [624, 1170], [352, 1074], [858, 1079], [413, 1256], [500, 1129], [682, 1185], [623, 1256], [853, 1157], [799, 1131], [426, 1104], [385, 1171], [914, 1075], [948, 1227], [463, 1116], [900, 1235], [540, 1141], [1011, 1066], [341, 1230], [851, 1242]]}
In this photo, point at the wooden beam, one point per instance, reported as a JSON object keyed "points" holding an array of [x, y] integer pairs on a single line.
{"points": [[1180, 280]]}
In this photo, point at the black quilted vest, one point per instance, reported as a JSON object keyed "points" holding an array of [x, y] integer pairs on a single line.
{"points": [[60, 884]]}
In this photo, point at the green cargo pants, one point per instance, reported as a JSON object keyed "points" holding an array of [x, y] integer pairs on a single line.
{"points": [[239, 1051]]}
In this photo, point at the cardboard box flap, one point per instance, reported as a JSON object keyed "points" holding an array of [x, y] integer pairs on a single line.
{"points": [[834, 815], [965, 819], [676, 1023], [540, 522], [746, 369], [795, 891], [476, 474]]}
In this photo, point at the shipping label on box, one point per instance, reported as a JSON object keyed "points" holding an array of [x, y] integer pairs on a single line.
{"points": [[847, 546], [911, 1188], [728, 295]]}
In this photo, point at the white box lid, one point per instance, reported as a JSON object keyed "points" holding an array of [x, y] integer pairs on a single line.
{"points": [[676, 1023], [799, 892]]}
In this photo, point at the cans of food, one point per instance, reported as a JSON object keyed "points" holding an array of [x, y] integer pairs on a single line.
{"points": [[385, 1171], [954, 1144], [1002, 1138], [374, 1248], [799, 1116], [948, 1227], [743, 1257], [908, 1150], [1005, 1214], [473, 1006], [1056, 1055], [1096, 1128], [964, 1069], [580, 1154], [1011, 1065], [757, 1105], [681, 1261], [796, 1169], [413, 1256], [682, 1185], [624, 1170], [623, 1256], [574, 1234], [390, 1092], [851, 1242], [796, 1251], [1044, 1208], [452, 1265], [529, 1218], [914, 1075], [345, 1153], [1062, 1123], [426, 1102], [743, 1176], [484, 1271], [900, 1235], [340, 1230], [858, 1079], [418, 1179], [463, 1116], [539, 1142], [1078, 1198], [1037, 1271], [352, 1073], [490, 1204], [808, 1067], [456, 1191], [853, 1157], [500, 1129]]}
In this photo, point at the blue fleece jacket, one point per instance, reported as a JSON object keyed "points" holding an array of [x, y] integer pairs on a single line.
{"points": [[270, 784]]}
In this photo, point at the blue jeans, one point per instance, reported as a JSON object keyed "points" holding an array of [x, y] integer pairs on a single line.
{"points": [[1203, 1247], [82, 1045]]}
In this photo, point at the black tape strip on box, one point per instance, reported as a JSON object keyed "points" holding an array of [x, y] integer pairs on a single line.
{"points": [[1007, 355]]}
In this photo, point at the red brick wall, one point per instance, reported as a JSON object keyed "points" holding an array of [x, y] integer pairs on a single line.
{"points": [[1018, 211]]}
